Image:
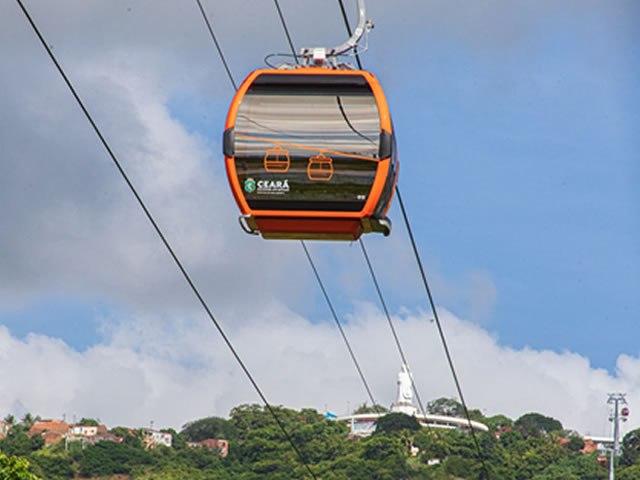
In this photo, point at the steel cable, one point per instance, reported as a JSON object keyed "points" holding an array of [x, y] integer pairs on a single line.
{"points": [[157, 229]]}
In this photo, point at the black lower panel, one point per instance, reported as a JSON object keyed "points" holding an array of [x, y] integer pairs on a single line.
{"points": [[301, 205]]}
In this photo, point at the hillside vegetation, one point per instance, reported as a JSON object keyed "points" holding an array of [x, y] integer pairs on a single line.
{"points": [[534, 447]]}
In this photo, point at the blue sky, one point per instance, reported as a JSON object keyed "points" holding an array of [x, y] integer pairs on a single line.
{"points": [[518, 128]]}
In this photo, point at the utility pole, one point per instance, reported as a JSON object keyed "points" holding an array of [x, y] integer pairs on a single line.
{"points": [[617, 414]]}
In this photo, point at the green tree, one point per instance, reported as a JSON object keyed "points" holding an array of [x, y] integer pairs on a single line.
{"points": [[498, 421], [10, 421], [536, 424], [210, 427], [445, 406], [111, 458], [629, 473], [88, 422], [18, 442], [396, 421], [52, 466], [364, 408], [432, 444], [132, 438], [15, 468], [28, 420], [576, 443], [631, 447]]}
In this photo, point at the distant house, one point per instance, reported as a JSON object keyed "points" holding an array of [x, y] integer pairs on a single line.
{"points": [[102, 437], [52, 431], [213, 444], [153, 438], [83, 430], [593, 444], [90, 434], [501, 431], [4, 429]]}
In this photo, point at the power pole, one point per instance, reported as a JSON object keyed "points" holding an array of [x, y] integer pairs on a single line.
{"points": [[617, 414]]}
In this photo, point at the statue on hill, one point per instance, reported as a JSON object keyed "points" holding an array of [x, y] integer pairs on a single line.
{"points": [[405, 386]]}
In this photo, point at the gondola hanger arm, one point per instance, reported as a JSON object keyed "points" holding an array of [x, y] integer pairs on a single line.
{"points": [[320, 55]]}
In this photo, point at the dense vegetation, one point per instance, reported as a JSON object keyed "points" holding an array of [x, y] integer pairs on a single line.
{"points": [[534, 447]]}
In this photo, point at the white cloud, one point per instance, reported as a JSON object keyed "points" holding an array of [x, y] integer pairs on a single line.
{"points": [[172, 372]]}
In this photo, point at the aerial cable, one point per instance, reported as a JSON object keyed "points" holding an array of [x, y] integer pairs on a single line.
{"points": [[428, 290], [339, 324], [218, 48], [286, 31], [391, 325], [346, 24], [308, 255], [439, 327], [156, 227], [311, 262], [298, 452]]}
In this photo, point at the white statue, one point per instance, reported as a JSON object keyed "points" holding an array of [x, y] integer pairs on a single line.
{"points": [[405, 386]]}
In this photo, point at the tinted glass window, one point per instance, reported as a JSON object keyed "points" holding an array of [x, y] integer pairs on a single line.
{"points": [[307, 142]]}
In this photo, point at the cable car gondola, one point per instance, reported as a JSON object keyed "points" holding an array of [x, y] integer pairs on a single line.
{"points": [[310, 150]]}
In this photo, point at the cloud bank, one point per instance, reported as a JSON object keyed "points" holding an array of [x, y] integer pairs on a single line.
{"points": [[176, 371]]}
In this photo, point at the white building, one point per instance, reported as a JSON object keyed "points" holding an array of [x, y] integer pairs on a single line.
{"points": [[153, 438], [83, 430], [364, 424]]}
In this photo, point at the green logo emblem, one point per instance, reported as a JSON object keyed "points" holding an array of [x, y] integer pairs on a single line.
{"points": [[249, 185]]}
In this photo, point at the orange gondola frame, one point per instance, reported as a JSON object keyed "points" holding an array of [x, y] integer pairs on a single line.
{"points": [[316, 224]]}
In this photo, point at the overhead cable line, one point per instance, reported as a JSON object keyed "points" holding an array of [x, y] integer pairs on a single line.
{"points": [[308, 255], [391, 325], [440, 329], [428, 291], [313, 267], [348, 26], [286, 31], [157, 229], [368, 261], [218, 48], [339, 324], [301, 457]]}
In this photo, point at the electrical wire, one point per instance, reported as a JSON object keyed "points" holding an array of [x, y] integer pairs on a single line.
{"points": [[272, 55], [166, 243]]}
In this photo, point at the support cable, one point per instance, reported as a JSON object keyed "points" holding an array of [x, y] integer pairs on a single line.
{"points": [[346, 24], [286, 31], [391, 325], [339, 324], [218, 48], [315, 270], [428, 290], [157, 229], [308, 255], [440, 329]]}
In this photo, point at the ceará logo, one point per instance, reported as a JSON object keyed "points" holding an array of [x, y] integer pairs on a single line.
{"points": [[273, 187], [249, 185]]}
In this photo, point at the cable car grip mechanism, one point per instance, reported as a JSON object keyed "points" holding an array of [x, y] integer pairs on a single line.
{"points": [[320, 55]]}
